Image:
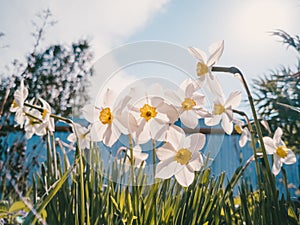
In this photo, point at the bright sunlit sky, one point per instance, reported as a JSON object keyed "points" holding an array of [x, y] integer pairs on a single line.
{"points": [[243, 25]]}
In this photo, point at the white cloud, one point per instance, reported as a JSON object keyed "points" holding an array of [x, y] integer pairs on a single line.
{"points": [[106, 23]]}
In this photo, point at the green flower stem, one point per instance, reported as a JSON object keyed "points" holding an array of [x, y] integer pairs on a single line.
{"points": [[33, 117], [236, 71], [253, 144], [80, 155], [155, 186], [66, 120]]}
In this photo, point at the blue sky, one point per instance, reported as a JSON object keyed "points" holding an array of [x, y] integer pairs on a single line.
{"points": [[243, 25]]}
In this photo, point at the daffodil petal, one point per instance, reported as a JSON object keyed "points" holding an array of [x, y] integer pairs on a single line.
{"points": [[196, 161], [226, 124], [156, 101], [276, 165], [243, 139], [185, 177], [195, 142], [143, 133], [174, 97], [290, 158], [234, 99], [216, 51], [269, 145], [212, 121], [199, 99], [169, 110], [110, 136], [90, 113], [176, 136], [189, 119], [165, 152], [97, 131], [109, 98], [215, 87], [277, 137], [166, 169], [198, 54]]}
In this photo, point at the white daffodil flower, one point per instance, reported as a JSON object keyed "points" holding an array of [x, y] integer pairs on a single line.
{"points": [[243, 131], [83, 136], [139, 158], [48, 122], [150, 119], [222, 111], [204, 66], [189, 103], [277, 148], [38, 122], [33, 124], [108, 121], [180, 156], [17, 106]]}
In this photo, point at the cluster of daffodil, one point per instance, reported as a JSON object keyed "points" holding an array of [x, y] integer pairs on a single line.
{"points": [[152, 118]]}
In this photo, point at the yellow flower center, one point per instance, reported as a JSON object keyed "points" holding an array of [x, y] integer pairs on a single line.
{"points": [[238, 129], [106, 117], [33, 121], [14, 104], [188, 104], [201, 69], [183, 156], [148, 112], [44, 113], [282, 151], [82, 136], [218, 109]]}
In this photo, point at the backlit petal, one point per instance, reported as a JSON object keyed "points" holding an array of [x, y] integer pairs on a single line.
{"points": [[234, 99], [277, 137], [90, 113], [196, 161], [226, 124], [276, 165], [212, 121], [269, 145], [215, 50], [215, 87], [198, 54], [185, 177], [290, 158], [176, 136], [189, 119], [166, 169], [165, 152], [195, 142]]}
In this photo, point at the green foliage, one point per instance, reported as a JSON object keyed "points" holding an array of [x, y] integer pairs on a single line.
{"points": [[281, 86], [60, 196]]}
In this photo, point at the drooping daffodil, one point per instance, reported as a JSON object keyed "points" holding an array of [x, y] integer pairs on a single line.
{"points": [[243, 130], [180, 156], [17, 105], [281, 153], [222, 111], [81, 135], [139, 157], [205, 64], [33, 123], [48, 121]]}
